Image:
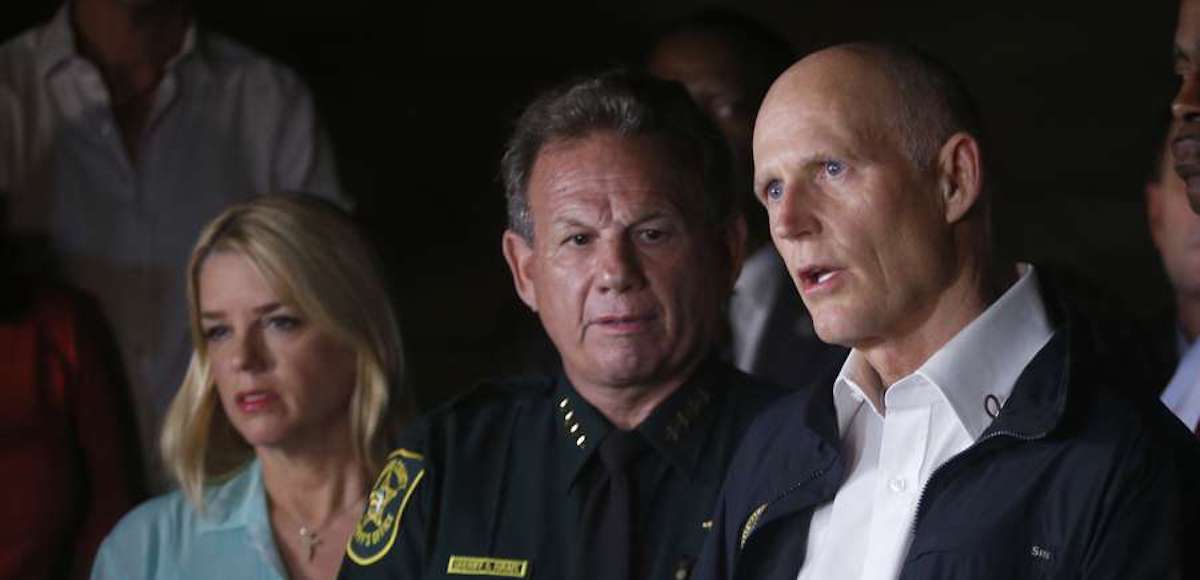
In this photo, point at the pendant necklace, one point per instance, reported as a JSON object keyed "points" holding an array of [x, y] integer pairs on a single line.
{"points": [[311, 537]]}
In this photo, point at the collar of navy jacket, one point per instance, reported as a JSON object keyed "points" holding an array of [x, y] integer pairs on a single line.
{"points": [[811, 470]]}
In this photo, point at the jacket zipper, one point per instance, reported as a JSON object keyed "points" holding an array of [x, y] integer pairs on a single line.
{"points": [[752, 522], [959, 457]]}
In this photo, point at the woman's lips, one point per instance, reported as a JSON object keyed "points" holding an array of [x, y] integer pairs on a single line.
{"points": [[255, 401]]}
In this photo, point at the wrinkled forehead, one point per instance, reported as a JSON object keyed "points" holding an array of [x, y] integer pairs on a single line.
{"points": [[650, 167]]}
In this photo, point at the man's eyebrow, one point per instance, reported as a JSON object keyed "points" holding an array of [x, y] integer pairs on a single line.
{"points": [[568, 221], [654, 214]]}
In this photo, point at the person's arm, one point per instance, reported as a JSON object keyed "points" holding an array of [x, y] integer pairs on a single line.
{"points": [[392, 539], [108, 565], [1148, 525]]}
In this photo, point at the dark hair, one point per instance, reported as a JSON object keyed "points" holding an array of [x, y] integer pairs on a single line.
{"points": [[934, 100], [762, 51], [628, 104]]}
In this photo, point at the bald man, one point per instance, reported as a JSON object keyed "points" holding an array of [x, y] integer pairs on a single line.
{"points": [[967, 434]]}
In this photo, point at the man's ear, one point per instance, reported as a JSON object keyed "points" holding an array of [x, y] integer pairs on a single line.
{"points": [[960, 176], [518, 252]]}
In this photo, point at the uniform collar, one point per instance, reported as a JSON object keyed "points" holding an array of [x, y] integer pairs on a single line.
{"points": [[56, 42], [676, 430]]}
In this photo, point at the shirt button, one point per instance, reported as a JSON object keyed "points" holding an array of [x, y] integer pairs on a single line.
{"points": [[897, 484]]}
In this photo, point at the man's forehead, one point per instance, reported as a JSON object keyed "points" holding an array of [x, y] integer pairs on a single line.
{"points": [[684, 55], [636, 172], [829, 98], [1187, 29], [832, 75]]}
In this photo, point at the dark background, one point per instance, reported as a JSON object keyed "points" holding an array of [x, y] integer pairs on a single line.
{"points": [[418, 99]]}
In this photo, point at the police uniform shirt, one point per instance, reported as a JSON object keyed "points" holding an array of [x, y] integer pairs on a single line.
{"points": [[493, 484]]}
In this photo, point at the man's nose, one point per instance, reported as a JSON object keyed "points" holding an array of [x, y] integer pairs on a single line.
{"points": [[619, 266], [792, 215], [1186, 106]]}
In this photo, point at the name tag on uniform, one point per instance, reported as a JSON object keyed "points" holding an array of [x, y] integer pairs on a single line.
{"points": [[477, 566]]}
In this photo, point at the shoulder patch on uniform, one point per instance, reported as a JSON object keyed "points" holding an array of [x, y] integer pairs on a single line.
{"points": [[376, 531]]}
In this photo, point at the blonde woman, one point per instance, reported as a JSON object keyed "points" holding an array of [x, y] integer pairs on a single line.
{"points": [[292, 391]]}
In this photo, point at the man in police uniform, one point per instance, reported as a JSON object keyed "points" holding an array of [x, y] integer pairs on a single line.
{"points": [[625, 239]]}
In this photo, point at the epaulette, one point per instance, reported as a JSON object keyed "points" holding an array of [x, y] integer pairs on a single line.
{"points": [[376, 531]]}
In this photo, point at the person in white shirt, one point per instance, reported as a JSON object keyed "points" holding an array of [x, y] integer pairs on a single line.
{"points": [[968, 434], [123, 129]]}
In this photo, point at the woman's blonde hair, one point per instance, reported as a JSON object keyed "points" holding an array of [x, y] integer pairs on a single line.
{"points": [[316, 260]]}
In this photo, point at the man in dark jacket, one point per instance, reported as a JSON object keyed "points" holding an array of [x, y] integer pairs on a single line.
{"points": [[625, 239], [971, 432]]}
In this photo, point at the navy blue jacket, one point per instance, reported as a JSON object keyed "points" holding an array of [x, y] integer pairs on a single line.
{"points": [[1078, 477]]}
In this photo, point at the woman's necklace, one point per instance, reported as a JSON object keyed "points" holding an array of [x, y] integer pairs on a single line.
{"points": [[310, 537]]}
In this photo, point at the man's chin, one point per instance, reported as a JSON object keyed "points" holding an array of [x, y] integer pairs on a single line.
{"points": [[836, 331], [626, 372]]}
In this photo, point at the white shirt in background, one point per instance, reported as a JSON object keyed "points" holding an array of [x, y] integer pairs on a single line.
{"points": [[227, 124]]}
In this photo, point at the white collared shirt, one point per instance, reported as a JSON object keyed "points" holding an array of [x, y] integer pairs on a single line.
{"points": [[1182, 395], [927, 418], [226, 124]]}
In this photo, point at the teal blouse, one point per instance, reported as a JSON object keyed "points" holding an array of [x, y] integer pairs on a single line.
{"points": [[166, 537]]}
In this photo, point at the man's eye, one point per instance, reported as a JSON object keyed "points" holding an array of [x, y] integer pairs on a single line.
{"points": [[578, 239], [774, 190], [653, 235], [834, 168]]}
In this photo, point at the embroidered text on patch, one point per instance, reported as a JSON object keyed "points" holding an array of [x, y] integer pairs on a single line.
{"points": [[476, 566]]}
